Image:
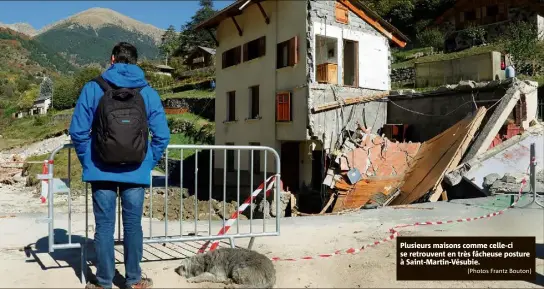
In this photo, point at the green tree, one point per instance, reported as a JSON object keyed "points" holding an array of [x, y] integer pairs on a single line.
{"points": [[64, 93], [521, 42], [85, 75], [431, 37], [28, 97], [46, 88], [189, 38], [170, 42]]}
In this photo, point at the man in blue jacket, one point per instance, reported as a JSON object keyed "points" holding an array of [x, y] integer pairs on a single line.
{"points": [[105, 177]]}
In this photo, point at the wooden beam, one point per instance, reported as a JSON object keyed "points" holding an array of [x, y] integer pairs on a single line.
{"points": [[347, 102], [266, 19], [372, 22], [237, 26], [213, 37]]}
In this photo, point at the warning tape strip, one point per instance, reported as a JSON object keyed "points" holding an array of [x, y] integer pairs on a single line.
{"points": [[241, 209], [395, 233]]}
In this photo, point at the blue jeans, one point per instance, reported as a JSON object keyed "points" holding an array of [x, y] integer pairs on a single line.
{"points": [[104, 204]]}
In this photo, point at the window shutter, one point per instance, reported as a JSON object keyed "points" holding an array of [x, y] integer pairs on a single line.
{"points": [[262, 46], [245, 52], [287, 109], [224, 60], [279, 111], [238, 54], [341, 13], [293, 51]]}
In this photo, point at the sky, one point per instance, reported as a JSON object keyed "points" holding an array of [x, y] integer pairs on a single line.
{"points": [[158, 13]]}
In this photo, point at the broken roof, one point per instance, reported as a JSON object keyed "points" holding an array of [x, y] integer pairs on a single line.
{"points": [[356, 6]]}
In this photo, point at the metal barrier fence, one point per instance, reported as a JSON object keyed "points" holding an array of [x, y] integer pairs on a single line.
{"points": [[56, 185]]}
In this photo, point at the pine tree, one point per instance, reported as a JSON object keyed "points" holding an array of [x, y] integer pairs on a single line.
{"points": [[189, 38]]}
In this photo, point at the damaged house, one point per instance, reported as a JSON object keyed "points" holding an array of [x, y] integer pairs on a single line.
{"points": [[297, 76], [459, 141]]}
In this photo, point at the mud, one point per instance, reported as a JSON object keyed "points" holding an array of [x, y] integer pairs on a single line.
{"points": [[204, 211]]}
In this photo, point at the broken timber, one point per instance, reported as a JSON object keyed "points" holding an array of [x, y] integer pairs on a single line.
{"points": [[347, 102]]}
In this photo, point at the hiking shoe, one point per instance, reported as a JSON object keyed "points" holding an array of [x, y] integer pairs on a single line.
{"points": [[144, 283]]}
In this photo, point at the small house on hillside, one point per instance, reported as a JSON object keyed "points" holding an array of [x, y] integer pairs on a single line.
{"points": [[284, 66], [201, 57], [492, 15], [41, 105], [163, 70]]}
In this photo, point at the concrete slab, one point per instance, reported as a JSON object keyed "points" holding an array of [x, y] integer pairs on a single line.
{"points": [[299, 237], [512, 156]]}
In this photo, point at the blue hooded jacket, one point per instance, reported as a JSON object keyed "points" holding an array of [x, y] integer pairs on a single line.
{"points": [[121, 75]]}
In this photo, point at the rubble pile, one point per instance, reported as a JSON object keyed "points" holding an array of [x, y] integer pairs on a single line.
{"points": [[207, 209], [511, 182]]}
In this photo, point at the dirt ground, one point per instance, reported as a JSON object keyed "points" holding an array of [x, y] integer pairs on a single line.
{"points": [[188, 211]]}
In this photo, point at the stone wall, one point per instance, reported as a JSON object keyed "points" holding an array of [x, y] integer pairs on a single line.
{"points": [[405, 75], [205, 107]]}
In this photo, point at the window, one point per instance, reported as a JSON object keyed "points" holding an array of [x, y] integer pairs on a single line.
{"points": [[492, 10], [230, 158], [232, 57], [287, 53], [342, 13], [256, 159], [231, 106], [470, 15], [254, 102], [283, 107], [255, 49]]}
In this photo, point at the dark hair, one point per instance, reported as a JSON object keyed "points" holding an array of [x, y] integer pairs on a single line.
{"points": [[125, 53]]}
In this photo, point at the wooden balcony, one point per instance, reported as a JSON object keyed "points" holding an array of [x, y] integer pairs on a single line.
{"points": [[327, 73]]}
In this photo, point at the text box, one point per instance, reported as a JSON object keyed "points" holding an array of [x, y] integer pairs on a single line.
{"points": [[466, 258]]}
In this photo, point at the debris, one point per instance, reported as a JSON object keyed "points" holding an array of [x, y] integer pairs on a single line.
{"points": [[435, 158], [490, 179], [354, 176], [362, 192], [515, 178]]}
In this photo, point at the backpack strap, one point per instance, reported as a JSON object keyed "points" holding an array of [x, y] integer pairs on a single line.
{"points": [[102, 83]]}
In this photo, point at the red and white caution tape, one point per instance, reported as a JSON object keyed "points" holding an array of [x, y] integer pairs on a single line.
{"points": [[395, 233], [45, 183], [241, 209]]}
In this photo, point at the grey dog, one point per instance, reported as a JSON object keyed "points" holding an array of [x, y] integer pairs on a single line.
{"points": [[230, 265]]}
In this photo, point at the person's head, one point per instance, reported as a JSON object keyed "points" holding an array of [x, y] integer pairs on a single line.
{"points": [[124, 52]]}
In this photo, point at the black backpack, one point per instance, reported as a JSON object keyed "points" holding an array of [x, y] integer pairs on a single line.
{"points": [[120, 126]]}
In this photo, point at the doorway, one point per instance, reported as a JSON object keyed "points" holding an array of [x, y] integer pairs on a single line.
{"points": [[351, 63], [290, 156]]}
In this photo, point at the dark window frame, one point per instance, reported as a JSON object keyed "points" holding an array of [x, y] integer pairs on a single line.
{"points": [[231, 106], [287, 53], [230, 158], [256, 159], [254, 49], [232, 57], [254, 102]]}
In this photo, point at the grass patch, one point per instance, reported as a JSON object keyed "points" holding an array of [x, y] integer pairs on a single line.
{"points": [[448, 56], [190, 117], [404, 55], [23, 131], [60, 169], [193, 93]]}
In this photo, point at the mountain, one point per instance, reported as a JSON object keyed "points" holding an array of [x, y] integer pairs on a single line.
{"points": [[24, 28], [88, 37], [19, 52]]}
